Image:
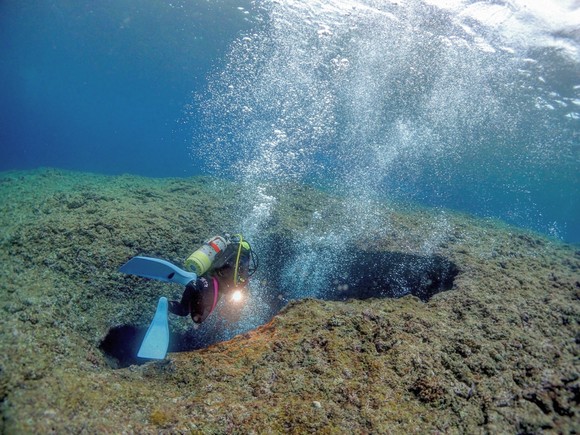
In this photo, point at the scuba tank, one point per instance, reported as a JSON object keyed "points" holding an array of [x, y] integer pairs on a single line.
{"points": [[218, 251], [202, 259]]}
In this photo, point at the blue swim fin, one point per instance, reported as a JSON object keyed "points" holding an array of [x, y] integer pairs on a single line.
{"points": [[156, 340], [155, 268]]}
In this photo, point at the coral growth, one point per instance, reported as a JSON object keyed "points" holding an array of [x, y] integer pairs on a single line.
{"points": [[497, 353]]}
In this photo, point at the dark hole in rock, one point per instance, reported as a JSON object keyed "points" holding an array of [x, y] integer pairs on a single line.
{"points": [[393, 274], [121, 345], [289, 273], [356, 274]]}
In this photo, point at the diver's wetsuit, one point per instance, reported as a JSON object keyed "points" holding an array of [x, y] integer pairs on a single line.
{"points": [[199, 299]]}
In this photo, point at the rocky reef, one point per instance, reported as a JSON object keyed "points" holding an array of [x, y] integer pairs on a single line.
{"points": [[490, 344]]}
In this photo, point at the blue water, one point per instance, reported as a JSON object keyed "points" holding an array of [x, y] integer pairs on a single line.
{"points": [[458, 104], [102, 86]]}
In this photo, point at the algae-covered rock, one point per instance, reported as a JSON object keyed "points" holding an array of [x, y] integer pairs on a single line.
{"points": [[497, 352]]}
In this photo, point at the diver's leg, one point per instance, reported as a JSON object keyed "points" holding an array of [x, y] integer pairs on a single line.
{"points": [[177, 309], [182, 308]]}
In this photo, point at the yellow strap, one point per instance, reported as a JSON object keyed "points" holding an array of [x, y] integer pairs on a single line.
{"points": [[238, 259]]}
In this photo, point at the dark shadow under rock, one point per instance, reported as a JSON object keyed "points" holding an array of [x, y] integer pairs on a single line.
{"points": [[393, 274], [331, 273], [121, 345]]}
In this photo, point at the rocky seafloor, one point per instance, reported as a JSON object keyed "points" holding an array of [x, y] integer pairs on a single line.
{"points": [[496, 353]]}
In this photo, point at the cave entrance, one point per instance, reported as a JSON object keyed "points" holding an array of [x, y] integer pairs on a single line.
{"points": [[328, 273], [358, 274], [394, 274], [121, 344]]}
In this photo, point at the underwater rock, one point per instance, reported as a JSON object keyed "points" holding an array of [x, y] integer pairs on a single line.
{"points": [[495, 349]]}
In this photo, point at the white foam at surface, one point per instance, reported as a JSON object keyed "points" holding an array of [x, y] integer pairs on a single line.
{"points": [[524, 23], [492, 15]]}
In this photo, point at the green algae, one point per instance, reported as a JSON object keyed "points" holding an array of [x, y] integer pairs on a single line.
{"points": [[498, 353]]}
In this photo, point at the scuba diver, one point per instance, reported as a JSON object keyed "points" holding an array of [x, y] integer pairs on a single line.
{"points": [[227, 276], [221, 267]]}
